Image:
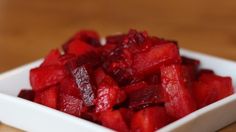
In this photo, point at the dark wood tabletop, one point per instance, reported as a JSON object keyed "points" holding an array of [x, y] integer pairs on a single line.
{"points": [[29, 29]]}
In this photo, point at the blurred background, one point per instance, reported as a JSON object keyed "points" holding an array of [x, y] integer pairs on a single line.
{"points": [[29, 28]]}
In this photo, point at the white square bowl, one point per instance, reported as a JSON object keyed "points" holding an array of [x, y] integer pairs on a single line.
{"points": [[30, 116]]}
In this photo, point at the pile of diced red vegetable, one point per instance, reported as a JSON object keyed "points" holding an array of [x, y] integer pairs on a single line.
{"points": [[135, 82]]}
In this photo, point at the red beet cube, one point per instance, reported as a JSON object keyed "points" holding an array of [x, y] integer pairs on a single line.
{"points": [[149, 62], [26, 94], [42, 77], [115, 39], [85, 84], [190, 69], [71, 105], [47, 97], [69, 86], [142, 95], [178, 100], [52, 58], [150, 119], [113, 120], [108, 95], [99, 75], [210, 88]]}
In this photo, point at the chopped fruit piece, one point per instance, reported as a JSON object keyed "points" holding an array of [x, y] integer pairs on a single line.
{"points": [[113, 120], [92, 59], [142, 95], [70, 104], [26, 94], [150, 61], [48, 97], [127, 115], [99, 75], [78, 48], [211, 88], [52, 58], [178, 100], [190, 69], [108, 95], [69, 86], [42, 77], [150, 119], [90, 37], [115, 39], [84, 83]]}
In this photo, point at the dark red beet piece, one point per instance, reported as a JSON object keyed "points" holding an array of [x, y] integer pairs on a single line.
{"points": [[71, 105], [190, 69], [69, 86], [142, 95], [26, 94], [99, 75], [149, 62], [150, 119], [178, 100], [52, 58], [85, 84], [47, 97], [210, 88], [115, 39], [108, 95], [89, 36], [113, 120], [42, 77]]}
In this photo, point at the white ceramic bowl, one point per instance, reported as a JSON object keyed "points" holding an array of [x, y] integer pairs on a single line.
{"points": [[30, 116]]}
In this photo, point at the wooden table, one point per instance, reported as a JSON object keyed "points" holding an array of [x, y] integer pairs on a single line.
{"points": [[29, 29]]}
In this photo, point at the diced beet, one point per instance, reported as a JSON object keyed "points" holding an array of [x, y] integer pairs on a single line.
{"points": [[47, 97], [190, 69], [67, 58], [26, 94], [92, 59], [115, 39], [99, 75], [211, 88], [78, 48], [89, 36], [178, 100], [42, 77], [108, 95], [204, 71], [150, 61], [52, 58], [113, 120], [69, 86], [150, 119], [127, 115], [70, 104], [142, 95], [85, 84]]}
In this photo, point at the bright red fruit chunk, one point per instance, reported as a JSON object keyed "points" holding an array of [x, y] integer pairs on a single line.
{"points": [[114, 120], [71, 105], [26, 94], [150, 119], [52, 58], [178, 100], [47, 97], [210, 88], [149, 62], [43, 77], [141, 95], [108, 95]]}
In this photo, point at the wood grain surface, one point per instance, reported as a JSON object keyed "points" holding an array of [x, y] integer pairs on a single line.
{"points": [[29, 29]]}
